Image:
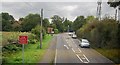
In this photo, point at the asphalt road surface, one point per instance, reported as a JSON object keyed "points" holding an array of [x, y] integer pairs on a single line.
{"points": [[69, 51]]}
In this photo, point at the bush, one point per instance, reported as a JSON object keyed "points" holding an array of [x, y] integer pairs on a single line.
{"points": [[32, 41], [36, 31], [102, 34], [56, 31], [10, 41], [11, 48]]}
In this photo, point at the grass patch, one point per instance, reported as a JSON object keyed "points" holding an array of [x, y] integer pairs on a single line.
{"points": [[112, 54], [12, 36], [32, 53], [0, 38]]}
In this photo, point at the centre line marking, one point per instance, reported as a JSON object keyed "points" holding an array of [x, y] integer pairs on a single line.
{"points": [[69, 45], [73, 50], [79, 49], [86, 58], [55, 57], [79, 58], [66, 46], [75, 45], [67, 41]]}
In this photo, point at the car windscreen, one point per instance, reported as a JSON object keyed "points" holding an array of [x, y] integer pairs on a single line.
{"points": [[85, 41]]}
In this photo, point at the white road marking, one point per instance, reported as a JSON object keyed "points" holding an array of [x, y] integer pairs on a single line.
{"points": [[79, 41], [86, 58], [85, 62], [73, 50], [75, 45], [72, 41], [66, 46], [83, 58], [67, 41], [79, 58], [55, 57], [69, 45], [79, 49]]}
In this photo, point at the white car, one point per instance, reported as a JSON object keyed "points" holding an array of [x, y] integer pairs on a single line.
{"points": [[84, 43], [70, 34], [74, 36]]}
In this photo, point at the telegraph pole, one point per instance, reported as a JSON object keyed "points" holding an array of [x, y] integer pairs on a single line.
{"points": [[116, 13], [68, 28], [99, 9], [41, 29]]}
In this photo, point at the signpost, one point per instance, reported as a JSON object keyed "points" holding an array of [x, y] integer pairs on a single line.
{"points": [[23, 40]]}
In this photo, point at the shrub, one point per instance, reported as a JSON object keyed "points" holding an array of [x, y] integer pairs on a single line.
{"points": [[11, 43], [102, 34], [36, 31], [32, 41], [11, 48], [56, 31]]}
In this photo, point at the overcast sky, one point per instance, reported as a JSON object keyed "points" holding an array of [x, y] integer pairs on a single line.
{"points": [[64, 9]]}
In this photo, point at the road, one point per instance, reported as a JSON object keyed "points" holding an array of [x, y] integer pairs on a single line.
{"points": [[68, 51]]}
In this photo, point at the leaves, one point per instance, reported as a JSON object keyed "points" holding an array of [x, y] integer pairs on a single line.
{"points": [[114, 3]]}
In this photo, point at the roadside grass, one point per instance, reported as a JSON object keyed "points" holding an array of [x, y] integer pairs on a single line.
{"points": [[11, 36], [32, 53], [0, 47], [0, 38], [112, 54]]}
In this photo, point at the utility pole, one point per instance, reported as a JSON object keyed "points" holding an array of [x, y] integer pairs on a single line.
{"points": [[99, 9], [116, 13], [68, 28], [41, 29]]}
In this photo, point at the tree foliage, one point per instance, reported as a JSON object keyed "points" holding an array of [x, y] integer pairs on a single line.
{"points": [[7, 21], [57, 21], [79, 21], [30, 21], [46, 23], [114, 3], [101, 34], [90, 19], [36, 31], [67, 25]]}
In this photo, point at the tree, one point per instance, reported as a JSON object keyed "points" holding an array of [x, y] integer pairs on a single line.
{"points": [[90, 19], [7, 21], [46, 23], [67, 24], [58, 22], [53, 26], [21, 19], [36, 31], [114, 3], [79, 21], [30, 21]]}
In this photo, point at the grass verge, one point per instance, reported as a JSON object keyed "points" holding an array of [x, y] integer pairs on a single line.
{"points": [[32, 53], [112, 54]]}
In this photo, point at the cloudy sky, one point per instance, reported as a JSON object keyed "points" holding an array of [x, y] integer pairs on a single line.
{"points": [[64, 9]]}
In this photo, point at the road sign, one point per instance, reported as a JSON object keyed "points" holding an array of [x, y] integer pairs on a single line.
{"points": [[23, 39]]}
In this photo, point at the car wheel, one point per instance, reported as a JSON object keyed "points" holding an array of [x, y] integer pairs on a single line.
{"points": [[81, 46]]}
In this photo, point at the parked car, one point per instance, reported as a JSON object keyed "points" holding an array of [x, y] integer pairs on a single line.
{"points": [[84, 43], [74, 36]]}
